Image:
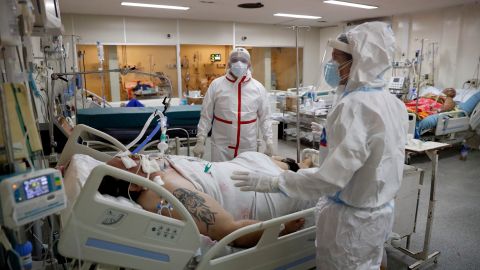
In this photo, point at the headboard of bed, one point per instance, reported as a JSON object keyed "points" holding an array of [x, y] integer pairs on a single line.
{"points": [[76, 144]]}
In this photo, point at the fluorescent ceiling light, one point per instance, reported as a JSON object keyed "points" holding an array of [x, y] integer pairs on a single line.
{"points": [[131, 4], [297, 16], [348, 4]]}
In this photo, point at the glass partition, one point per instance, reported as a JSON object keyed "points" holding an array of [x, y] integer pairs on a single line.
{"points": [[145, 58], [152, 59], [201, 64], [274, 67]]}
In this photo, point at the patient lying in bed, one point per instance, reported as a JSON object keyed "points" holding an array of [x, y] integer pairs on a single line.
{"points": [[433, 104], [217, 207]]}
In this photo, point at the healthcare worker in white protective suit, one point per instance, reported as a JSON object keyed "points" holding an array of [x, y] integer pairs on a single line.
{"points": [[233, 107], [362, 170]]}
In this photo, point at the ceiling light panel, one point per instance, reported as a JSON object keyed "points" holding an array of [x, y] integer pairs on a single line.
{"points": [[349, 4], [133, 4], [297, 16]]}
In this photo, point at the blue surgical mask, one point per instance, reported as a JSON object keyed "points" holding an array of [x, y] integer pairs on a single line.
{"points": [[239, 69], [332, 74]]}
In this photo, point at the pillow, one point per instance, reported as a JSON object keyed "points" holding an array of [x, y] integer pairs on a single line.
{"points": [[430, 90], [470, 104], [75, 177], [464, 94]]}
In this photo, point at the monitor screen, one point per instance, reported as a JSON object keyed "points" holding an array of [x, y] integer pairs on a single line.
{"points": [[215, 57], [36, 187], [396, 79]]}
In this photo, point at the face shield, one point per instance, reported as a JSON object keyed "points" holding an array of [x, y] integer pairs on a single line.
{"points": [[371, 47], [335, 65]]}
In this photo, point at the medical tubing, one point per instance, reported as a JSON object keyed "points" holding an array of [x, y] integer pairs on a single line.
{"points": [[144, 129], [149, 138]]}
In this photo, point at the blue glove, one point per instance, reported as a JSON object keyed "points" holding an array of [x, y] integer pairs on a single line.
{"points": [[255, 182]]}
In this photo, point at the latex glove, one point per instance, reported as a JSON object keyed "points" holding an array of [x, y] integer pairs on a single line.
{"points": [[316, 128], [199, 148], [255, 182], [269, 149]]}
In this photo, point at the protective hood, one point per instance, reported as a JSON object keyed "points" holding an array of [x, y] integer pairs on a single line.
{"points": [[372, 46]]}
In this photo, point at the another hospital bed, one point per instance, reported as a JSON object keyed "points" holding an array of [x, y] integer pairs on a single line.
{"points": [[124, 123], [103, 230], [450, 123]]}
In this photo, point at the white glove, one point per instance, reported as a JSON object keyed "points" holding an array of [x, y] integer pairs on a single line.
{"points": [[269, 149], [316, 128], [255, 182], [199, 148]]}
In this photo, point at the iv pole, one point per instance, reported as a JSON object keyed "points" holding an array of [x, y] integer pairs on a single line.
{"points": [[61, 76], [297, 29]]}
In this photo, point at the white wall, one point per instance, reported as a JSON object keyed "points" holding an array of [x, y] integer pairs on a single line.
{"points": [[264, 35], [201, 32], [116, 30], [311, 57], [456, 31]]}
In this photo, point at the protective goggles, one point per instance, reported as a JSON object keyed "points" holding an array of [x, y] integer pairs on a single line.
{"points": [[235, 59]]}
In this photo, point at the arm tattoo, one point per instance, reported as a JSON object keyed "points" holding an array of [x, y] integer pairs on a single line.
{"points": [[195, 205]]}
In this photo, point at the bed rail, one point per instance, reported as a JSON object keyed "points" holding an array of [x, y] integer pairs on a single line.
{"points": [[475, 117], [75, 145], [108, 231], [451, 122], [292, 251]]}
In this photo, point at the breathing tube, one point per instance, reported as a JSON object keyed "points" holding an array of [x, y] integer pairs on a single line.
{"points": [[147, 140], [144, 129]]}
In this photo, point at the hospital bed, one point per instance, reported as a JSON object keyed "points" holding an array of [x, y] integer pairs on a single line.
{"points": [[103, 230], [124, 123], [447, 124]]}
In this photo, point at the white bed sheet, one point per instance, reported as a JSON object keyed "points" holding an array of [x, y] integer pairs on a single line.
{"points": [[242, 205]]}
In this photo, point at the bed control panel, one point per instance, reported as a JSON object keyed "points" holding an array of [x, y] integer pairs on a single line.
{"points": [[163, 231]]}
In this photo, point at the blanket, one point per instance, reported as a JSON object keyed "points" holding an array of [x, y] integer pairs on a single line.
{"points": [[426, 107]]}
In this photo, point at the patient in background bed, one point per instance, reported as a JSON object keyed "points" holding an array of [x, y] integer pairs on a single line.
{"points": [[433, 104], [217, 207]]}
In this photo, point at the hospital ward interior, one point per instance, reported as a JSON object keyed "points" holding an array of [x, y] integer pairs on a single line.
{"points": [[227, 134]]}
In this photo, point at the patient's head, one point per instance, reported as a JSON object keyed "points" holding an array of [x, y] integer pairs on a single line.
{"points": [[118, 188], [449, 92], [291, 164]]}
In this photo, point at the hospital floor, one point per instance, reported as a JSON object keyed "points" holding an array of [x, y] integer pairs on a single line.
{"points": [[456, 226]]}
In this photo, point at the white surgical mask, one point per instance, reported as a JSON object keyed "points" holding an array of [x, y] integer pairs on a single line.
{"points": [[239, 69]]}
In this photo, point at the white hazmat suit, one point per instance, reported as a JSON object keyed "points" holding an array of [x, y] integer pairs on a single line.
{"points": [[363, 167], [233, 108]]}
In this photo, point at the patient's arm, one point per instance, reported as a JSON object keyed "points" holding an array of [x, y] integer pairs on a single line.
{"points": [[209, 216], [448, 105]]}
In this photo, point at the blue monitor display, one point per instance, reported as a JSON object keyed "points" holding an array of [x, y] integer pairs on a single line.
{"points": [[36, 187]]}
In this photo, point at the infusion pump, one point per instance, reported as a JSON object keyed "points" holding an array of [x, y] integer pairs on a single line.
{"points": [[30, 196], [398, 85]]}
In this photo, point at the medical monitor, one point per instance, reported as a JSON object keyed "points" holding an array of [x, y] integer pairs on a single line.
{"points": [[47, 14]]}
